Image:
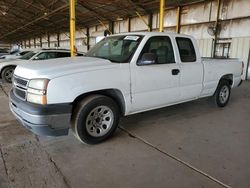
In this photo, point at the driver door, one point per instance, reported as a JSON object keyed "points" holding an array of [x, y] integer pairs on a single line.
{"points": [[155, 85]]}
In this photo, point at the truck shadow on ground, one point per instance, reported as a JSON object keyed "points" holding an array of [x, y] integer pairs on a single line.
{"points": [[183, 111]]}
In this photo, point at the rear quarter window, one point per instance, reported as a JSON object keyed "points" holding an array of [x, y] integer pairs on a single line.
{"points": [[186, 49]]}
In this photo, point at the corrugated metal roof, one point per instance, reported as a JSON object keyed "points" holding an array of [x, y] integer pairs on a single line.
{"points": [[23, 19]]}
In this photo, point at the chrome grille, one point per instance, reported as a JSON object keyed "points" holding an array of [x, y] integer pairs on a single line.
{"points": [[20, 81], [20, 87], [20, 93]]}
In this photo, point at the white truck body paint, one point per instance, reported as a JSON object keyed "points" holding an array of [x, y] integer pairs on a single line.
{"points": [[143, 87]]}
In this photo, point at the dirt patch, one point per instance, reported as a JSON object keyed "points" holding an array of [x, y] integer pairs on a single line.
{"points": [[12, 133], [4, 183], [28, 165], [6, 88], [23, 161]]}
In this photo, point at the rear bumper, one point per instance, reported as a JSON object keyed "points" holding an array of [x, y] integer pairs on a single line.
{"points": [[44, 120]]}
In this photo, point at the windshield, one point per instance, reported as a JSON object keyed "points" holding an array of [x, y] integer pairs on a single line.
{"points": [[23, 53], [28, 55], [118, 49], [14, 52]]}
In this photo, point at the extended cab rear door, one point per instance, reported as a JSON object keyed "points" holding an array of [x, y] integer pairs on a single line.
{"points": [[191, 69], [155, 85]]}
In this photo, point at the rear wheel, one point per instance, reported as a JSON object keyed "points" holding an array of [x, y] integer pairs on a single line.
{"points": [[95, 119], [222, 94], [7, 74]]}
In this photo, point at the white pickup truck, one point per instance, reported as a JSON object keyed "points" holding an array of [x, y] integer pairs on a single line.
{"points": [[123, 74]]}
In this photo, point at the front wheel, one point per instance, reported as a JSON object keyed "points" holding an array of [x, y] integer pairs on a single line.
{"points": [[222, 94], [7, 74], [95, 119]]}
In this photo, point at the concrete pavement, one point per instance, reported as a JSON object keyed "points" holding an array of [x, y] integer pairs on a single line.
{"points": [[188, 145]]}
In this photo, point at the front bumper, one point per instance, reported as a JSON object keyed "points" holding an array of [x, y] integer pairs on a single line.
{"points": [[44, 120]]}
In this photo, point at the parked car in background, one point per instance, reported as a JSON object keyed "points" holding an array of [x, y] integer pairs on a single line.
{"points": [[121, 75], [7, 68], [14, 55]]}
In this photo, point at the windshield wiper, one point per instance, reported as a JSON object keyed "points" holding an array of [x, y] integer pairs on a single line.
{"points": [[102, 57]]}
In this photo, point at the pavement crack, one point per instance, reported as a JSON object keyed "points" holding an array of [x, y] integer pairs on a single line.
{"points": [[66, 182], [132, 136], [37, 138], [4, 163], [6, 94], [175, 158]]}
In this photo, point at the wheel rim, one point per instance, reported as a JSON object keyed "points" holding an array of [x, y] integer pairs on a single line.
{"points": [[8, 74], [99, 121], [224, 94]]}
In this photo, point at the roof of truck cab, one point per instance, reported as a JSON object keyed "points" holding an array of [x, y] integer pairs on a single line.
{"points": [[153, 34], [36, 50]]}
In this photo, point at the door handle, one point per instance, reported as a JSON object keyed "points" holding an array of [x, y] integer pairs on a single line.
{"points": [[175, 71]]}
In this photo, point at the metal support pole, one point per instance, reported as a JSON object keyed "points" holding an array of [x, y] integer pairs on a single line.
{"points": [[111, 27], [129, 25], [41, 42], [178, 19], [48, 41], [88, 38], [150, 21], [72, 27], [216, 26], [34, 42], [58, 39], [162, 7], [107, 28], [144, 21]]}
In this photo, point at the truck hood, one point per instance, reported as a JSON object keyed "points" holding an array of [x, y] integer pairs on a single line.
{"points": [[15, 61], [62, 66]]}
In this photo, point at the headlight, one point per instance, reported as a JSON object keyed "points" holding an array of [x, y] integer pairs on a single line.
{"points": [[37, 90]]}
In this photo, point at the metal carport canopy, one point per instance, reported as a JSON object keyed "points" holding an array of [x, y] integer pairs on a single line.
{"points": [[24, 19]]}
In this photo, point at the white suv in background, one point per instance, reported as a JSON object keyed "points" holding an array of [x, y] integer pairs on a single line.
{"points": [[13, 55], [7, 68]]}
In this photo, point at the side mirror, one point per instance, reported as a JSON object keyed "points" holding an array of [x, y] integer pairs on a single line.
{"points": [[148, 59], [36, 58]]}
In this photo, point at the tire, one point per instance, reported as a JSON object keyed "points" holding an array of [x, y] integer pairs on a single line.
{"points": [[222, 94], [7, 74], [95, 119]]}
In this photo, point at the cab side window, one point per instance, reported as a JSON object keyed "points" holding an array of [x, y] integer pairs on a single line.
{"points": [[51, 55], [46, 55], [186, 49], [63, 54], [160, 46]]}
